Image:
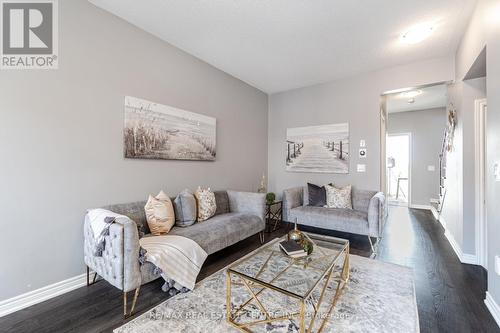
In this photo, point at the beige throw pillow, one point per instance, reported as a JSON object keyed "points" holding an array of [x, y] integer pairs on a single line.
{"points": [[206, 203], [338, 197], [160, 214]]}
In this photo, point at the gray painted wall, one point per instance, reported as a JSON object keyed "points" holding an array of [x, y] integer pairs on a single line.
{"points": [[355, 100], [61, 139], [484, 30], [426, 128]]}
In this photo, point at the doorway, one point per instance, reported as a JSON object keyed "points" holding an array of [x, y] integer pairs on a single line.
{"points": [[398, 164]]}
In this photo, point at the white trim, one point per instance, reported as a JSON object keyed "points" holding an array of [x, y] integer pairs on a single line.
{"points": [[480, 184], [435, 213], [493, 307], [39, 295], [427, 207], [433, 200], [464, 258]]}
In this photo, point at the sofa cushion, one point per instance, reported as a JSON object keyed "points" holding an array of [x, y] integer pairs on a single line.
{"points": [[316, 195], [221, 231], [205, 201], [222, 202], [159, 214], [338, 197], [185, 209], [346, 220]]}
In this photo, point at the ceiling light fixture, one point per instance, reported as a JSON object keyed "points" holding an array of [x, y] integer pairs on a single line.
{"points": [[417, 33], [411, 101], [410, 94]]}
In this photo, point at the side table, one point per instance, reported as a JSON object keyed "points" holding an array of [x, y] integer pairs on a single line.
{"points": [[274, 215]]}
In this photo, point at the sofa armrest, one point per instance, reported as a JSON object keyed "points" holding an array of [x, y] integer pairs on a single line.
{"points": [[376, 214], [119, 264], [292, 197], [247, 202]]}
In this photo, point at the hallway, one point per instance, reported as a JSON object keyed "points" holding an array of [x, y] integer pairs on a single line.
{"points": [[450, 295]]}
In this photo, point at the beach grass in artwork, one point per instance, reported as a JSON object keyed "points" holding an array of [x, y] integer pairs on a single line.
{"points": [[318, 149], [157, 131]]}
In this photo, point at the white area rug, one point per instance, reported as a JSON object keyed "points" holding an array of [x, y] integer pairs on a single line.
{"points": [[379, 297]]}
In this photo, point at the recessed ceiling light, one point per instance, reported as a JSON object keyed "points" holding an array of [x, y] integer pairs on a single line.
{"points": [[410, 94], [417, 33], [411, 101]]}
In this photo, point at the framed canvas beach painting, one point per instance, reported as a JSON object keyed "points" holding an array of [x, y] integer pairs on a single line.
{"points": [[318, 149], [157, 131]]}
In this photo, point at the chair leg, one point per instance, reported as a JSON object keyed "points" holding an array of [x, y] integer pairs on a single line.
{"points": [[373, 246], [262, 237], [134, 301], [127, 314], [88, 277], [124, 304]]}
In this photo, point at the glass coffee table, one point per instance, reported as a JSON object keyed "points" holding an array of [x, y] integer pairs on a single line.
{"points": [[279, 288]]}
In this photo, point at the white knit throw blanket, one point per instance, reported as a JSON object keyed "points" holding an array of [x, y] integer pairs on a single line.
{"points": [[179, 258]]}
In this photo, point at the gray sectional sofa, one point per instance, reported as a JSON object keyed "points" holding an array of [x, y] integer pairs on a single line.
{"points": [[239, 215], [366, 218]]}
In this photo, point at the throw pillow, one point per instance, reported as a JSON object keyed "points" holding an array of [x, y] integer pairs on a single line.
{"points": [[222, 202], [185, 209], [159, 214], [338, 197], [206, 203], [317, 195]]}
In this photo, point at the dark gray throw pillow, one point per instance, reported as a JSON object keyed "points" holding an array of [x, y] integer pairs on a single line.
{"points": [[317, 195], [185, 209], [222, 202]]}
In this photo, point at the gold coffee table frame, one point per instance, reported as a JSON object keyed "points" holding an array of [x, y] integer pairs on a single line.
{"points": [[328, 274]]}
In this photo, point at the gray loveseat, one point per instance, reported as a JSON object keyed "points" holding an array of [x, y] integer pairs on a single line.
{"points": [[239, 215], [366, 218]]}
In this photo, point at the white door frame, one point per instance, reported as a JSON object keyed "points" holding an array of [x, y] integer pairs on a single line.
{"points": [[383, 147], [410, 161], [480, 110]]}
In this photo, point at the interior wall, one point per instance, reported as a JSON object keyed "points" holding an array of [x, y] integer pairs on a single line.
{"points": [[484, 30], [61, 136], [355, 100], [426, 128]]}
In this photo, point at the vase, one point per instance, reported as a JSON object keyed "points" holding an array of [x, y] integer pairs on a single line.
{"points": [[295, 234]]}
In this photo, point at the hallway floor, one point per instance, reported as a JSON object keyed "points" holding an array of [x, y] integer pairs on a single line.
{"points": [[449, 294]]}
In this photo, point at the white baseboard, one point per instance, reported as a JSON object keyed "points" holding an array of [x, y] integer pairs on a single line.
{"points": [[426, 207], [39, 295], [435, 213], [464, 258], [493, 307]]}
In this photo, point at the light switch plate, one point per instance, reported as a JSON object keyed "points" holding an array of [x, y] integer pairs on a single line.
{"points": [[431, 168], [496, 172], [497, 265], [361, 167]]}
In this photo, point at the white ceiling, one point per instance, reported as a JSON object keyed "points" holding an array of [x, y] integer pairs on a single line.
{"points": [[277, 45], [430, 98]]}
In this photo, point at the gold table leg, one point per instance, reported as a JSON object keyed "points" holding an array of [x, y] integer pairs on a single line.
{"points": [[341, 282]]}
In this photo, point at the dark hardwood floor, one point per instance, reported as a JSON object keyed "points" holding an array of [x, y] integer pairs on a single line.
{"points": [[449, 294]]}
